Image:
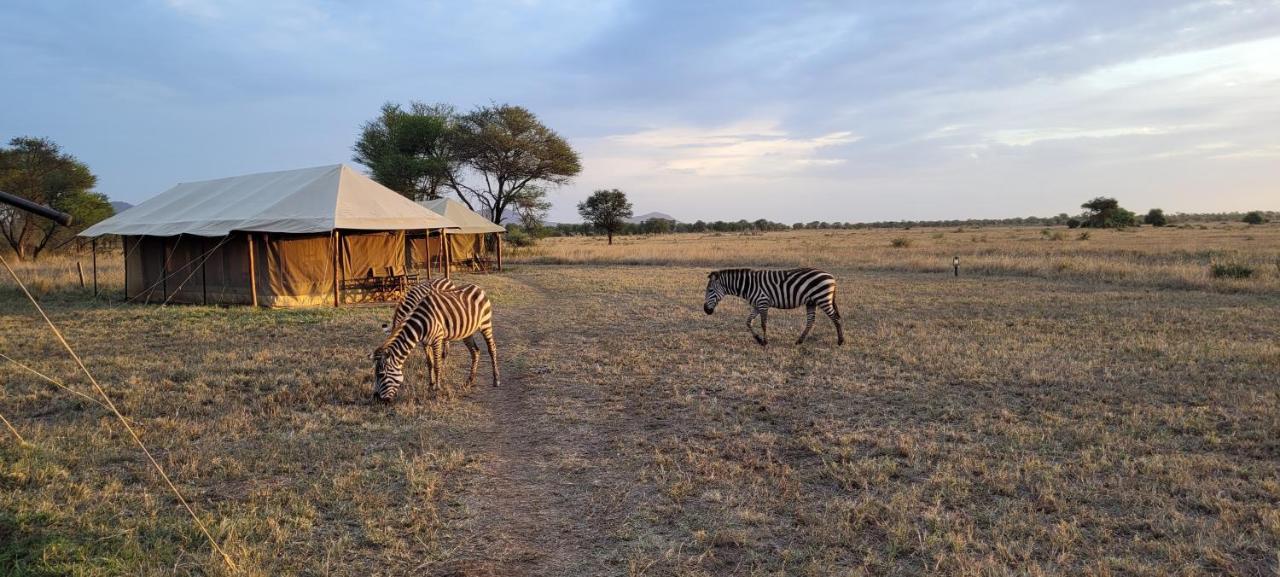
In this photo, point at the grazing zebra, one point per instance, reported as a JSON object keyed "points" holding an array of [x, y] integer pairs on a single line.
{"points": [[439, 317], [779, 289], [411, 299]]}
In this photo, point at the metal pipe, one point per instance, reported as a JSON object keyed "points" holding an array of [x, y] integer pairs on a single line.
{"points": [[57, 216]]}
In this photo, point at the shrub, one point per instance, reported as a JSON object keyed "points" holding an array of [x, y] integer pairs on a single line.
{"points": [[1155, 217], [1254, 217], [1073, 223], [1083, 236], [901, 242], [518, 237], [1051, 234], [1231, 270]]}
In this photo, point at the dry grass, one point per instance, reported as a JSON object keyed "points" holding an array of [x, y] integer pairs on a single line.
{"points": [[987, 425], [1170, 257]]}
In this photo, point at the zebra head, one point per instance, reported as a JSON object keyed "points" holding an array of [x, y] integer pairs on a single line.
{"points": [[715, 292], [387, 376]]}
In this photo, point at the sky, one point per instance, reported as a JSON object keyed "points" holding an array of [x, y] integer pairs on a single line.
{"points": [[791, 111]]}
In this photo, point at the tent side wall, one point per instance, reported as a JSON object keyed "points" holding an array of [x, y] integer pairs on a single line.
{"points": [[292, 270], [466, 247], [160, 268]]}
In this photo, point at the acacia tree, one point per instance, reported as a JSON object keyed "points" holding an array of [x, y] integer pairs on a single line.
{"points": [[531, 205], [410, 151], [37, 170], [512, 156], [1103, 212], [606, 210]]}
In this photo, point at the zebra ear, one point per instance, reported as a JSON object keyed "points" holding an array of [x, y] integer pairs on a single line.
{"points": [[713, 275]]}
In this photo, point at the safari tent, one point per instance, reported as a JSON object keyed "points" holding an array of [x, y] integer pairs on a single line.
{"points": [[316, 236], [475, 244]]}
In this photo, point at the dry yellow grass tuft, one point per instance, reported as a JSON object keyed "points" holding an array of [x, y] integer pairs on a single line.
{"points": [[995, 424], [1180, 258]]}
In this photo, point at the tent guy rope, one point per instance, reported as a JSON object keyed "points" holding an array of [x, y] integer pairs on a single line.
{"points": [[110, 405]]}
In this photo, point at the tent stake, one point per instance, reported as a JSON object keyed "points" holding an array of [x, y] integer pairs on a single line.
{"points": [[253, 273]]}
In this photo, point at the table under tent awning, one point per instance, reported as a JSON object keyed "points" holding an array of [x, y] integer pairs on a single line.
{"points": [[475, 244], [314, 236]]}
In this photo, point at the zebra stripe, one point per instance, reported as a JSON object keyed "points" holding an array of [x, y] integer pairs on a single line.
{"points": [[779, 289], [438, 317]]}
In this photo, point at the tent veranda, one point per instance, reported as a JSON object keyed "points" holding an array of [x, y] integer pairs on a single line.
{"points": [[313, 236], [471, 244]]}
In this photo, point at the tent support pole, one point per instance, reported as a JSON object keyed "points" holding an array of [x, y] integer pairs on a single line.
{"points": [[124, 247], [253, 273], [164, 268], [93, 245], [499, 236], [427, 243], [444, 250], [336, 281], [204, 287]]}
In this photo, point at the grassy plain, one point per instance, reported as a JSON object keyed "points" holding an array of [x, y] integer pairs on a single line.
{"points": [[1018, 420]]}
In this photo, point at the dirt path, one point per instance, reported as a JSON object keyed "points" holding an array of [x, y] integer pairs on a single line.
{"points": [[544, 500]]}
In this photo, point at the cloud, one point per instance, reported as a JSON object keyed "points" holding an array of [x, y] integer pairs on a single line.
{"points": [[751, 148]]}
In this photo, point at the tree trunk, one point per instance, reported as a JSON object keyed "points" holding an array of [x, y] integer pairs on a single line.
{"points": [[610, 233]]}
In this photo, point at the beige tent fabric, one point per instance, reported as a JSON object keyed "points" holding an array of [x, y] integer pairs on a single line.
{"points": [[308, 200], [467, 220], [298, 270]]}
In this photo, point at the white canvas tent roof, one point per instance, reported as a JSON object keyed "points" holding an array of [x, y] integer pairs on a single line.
{"points": [[468, 221], [306, 200]]}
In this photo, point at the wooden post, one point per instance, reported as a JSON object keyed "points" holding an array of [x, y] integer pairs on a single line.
{"points": [[445, 253], [253, 272], [94, 247], [80, 272], [204, 287], [427, 243], [164, 269], [499, 235], [124, 246], [336, 280]]}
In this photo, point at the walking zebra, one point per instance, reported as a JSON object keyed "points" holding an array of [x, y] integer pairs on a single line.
{"points": [[779, 289], [440, 316]]}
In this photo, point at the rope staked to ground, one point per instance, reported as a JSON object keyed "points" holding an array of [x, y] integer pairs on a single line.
{"points": [[110, 405]]}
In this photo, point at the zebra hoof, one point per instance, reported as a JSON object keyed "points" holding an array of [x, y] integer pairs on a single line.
{"points": [[799, 341], [763, 342]]}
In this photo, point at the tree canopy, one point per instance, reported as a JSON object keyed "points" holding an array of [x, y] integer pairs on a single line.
{"points": [[37, 170], [606, 210], [509, 150], [494, 158], [1155, 217], [409, 151], [1103, 212]]}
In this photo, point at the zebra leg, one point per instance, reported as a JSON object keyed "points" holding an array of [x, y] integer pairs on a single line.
{"points": [[474, 349], [764, 327], [833, 312], [487, 333], [811, 315], [437, 374], [751, 318]]}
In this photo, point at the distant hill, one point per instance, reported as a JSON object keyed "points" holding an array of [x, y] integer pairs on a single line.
{"points": [[120, 206], [650, 216]]}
